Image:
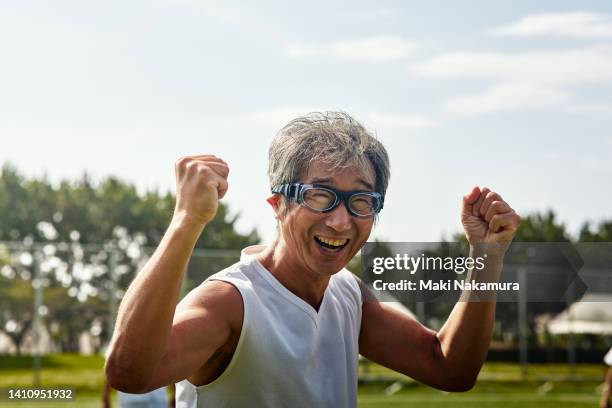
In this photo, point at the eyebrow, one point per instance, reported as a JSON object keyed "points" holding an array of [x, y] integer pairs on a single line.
{"points": [[328, 180]]}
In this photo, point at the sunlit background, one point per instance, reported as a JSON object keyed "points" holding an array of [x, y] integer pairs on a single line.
{"points": [[511, 95]]}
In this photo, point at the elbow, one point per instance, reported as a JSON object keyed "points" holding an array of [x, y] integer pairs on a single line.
{"points": [[460, 382], [460, 385], [124, 378], [456, 376]]}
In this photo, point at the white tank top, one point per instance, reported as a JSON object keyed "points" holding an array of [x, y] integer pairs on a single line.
{"points": [[288, 355]]}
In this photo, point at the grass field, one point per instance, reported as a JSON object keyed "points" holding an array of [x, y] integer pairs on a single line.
{"points": [[499, 385]]}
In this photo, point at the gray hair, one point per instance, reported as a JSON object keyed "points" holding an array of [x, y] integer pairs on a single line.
{"points": [[333, 137]]}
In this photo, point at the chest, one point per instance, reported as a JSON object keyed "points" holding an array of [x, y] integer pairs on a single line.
{"points": [[293, 336]]}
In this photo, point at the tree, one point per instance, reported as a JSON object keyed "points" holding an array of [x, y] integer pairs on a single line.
{"points": [[94, 210], [80, 229], [602, 233], [541, 227], [16, 309]]}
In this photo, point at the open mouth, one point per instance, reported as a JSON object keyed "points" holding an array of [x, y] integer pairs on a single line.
{"points": [[333, 244]]}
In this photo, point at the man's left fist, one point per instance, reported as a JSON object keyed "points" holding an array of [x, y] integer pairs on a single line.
{"points": [[487, 218]]}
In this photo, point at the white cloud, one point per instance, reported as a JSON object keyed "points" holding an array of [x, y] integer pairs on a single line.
{"points": [[400, 121], [572, 24], [506, 97], [379, 49], [585, 65]]}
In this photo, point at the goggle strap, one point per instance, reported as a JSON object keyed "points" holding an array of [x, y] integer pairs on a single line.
{"points": [[288, 190]]}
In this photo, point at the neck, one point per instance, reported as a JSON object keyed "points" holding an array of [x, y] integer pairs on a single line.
{"points": [[293, 274]]}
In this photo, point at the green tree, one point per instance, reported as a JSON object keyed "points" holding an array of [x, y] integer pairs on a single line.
{"points": [[16, 309], [542, 227], [94, 210], [601, 233], [66, 219]]}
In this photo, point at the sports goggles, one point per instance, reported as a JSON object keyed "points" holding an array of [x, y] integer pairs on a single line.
{"points": [[324, 199]]}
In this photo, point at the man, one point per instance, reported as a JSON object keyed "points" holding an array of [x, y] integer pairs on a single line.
{"points": [[607, 385], [284, 327]]}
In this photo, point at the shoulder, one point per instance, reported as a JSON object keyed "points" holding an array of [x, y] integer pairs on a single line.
{"points": [[239, 274], [216, 302], [220, 289]]}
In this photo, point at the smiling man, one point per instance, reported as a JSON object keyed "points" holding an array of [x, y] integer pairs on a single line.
{"points": [[284, 327]]}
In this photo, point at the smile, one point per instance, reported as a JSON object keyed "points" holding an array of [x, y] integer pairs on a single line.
{"points": [[335, 244]]}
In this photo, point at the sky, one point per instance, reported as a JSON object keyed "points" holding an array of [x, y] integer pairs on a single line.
{"points": [[514, 96]]}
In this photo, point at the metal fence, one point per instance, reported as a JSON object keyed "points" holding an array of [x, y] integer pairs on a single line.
{"points": [[63, 297]]}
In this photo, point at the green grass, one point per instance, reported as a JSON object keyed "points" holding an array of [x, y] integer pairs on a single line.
{"points": [[508, 372], [499, 385], [84, 374], [484, 395]]}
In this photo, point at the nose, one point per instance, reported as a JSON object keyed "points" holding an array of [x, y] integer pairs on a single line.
{"points": [[339, 218]]}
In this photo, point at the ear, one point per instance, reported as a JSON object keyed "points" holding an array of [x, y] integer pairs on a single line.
{"points": [[275, 200]]}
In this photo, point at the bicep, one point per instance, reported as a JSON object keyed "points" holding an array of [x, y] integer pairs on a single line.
{"points": [[203, 323], [397, 341]]}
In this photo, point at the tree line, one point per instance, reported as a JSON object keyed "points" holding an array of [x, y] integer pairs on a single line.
{"points": [[75, 232], [78, 288], [93, 210]]}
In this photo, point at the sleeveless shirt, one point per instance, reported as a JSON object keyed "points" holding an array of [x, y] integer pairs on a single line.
{"points": [[288, 354]]}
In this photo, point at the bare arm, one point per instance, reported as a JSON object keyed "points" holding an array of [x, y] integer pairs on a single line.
{"points": [[147, 334], [466, 335], [451, 359], [395, 340]]}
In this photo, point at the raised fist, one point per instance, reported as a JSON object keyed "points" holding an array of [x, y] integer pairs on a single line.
{"points": [[487, 218], [200, 182]]}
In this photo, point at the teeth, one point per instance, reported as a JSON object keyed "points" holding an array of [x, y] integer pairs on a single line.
{"points": [[332, 242]]}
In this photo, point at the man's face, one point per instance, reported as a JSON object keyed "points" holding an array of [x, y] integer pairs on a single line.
{"points": [[306, 231]]}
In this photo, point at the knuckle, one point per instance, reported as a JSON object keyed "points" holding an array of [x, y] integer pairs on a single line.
{"points": [[497, 205], [191, 165], [494, 196], [182, 161], [203, 170]]}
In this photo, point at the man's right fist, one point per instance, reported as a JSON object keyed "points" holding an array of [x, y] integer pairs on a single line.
{"points": [[200, 182]]}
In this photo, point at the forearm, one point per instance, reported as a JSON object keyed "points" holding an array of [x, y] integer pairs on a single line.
{"points": [[144, 320], [466, 335]]}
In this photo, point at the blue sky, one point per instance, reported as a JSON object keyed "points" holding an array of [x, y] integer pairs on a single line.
{"points": [[510, 95]]}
